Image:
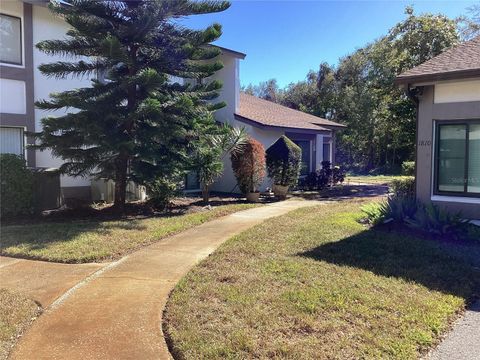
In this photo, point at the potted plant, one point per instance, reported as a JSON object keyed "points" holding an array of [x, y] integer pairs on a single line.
{"points": [[249, 168], [283, 165]]}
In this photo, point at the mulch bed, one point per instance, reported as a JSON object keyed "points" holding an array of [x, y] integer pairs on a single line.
{"points": [[133, 210]]}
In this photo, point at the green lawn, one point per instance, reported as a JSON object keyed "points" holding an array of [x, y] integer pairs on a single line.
{"points": [[316, 284], [87, 241], [16, 313], [373, 179]]}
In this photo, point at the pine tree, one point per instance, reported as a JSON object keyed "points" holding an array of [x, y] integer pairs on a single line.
{"points": [[133, 122]]}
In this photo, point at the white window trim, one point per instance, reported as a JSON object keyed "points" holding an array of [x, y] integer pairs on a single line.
{"points": [[455, 199]]}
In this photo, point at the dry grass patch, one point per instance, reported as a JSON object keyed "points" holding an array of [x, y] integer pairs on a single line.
{"points": [[87, 241], [16, 313], [315, 284], [374, 179]]}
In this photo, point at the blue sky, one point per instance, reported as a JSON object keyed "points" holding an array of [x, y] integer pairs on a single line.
{"points": [[285, 39]]}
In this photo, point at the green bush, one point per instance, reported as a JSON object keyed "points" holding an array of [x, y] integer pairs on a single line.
{"points": [[433, 219], [16, 186], [394, 208], [408, 168], [404, 187], [283, 161], [161, 192]]}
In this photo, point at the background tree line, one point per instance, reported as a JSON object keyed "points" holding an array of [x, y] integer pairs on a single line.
{"points": [[360, 91]]}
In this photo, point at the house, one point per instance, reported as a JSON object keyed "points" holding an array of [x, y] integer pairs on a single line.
{"points": [[25, 23], [446, 90]]}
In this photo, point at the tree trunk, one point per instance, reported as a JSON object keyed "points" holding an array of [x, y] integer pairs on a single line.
{"points": [[120, 185], [206, 194]]}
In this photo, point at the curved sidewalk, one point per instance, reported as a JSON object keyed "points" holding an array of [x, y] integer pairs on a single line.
{"points": [[117, 313]]}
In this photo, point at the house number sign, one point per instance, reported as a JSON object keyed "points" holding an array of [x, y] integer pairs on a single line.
{"points": [[425, 143]]}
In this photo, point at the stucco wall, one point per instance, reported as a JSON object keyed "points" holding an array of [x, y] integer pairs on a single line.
{"points": [[46, 26], [428, 113]]}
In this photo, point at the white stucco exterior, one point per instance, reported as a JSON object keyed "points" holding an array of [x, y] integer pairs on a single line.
{"points": [[46, 26]]}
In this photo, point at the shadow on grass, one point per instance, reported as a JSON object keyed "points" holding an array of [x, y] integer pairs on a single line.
{"points": [[391, 254], [39, 236], [344, 192]]}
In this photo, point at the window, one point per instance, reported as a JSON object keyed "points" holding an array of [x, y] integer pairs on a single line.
{"points": [[191, 181], [11, 140], [326, 152], [458, 159], [305, 146], [10, 39]]}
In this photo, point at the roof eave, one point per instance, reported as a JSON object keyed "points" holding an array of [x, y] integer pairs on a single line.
{"points": [[451, 75], [237, 54], [260, 125]]}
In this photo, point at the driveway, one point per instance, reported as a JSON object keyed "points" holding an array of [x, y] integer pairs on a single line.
{"points": [[116, 313]]}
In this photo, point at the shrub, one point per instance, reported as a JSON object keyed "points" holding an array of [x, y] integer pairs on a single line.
{"points": [[376, 213], [248, 165], [394, 208], [161, 192], [320, 179], [338, 175], [16, 186], [408, 168], [283, 161], [432, 219], [404, 187]]}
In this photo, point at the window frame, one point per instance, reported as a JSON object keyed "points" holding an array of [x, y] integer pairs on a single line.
{"points": [[22, 139], [436, 160], [21, 41]]}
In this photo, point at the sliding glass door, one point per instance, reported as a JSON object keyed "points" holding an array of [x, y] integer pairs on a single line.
{"points": [[457, 162]]}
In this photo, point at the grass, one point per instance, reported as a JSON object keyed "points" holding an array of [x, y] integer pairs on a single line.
{"points": [[316, 284], [16, 313], [373, 179], [89, 241]]}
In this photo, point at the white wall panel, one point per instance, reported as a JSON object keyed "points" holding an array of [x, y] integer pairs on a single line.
{"points": [[12, 97], [458, 91]]}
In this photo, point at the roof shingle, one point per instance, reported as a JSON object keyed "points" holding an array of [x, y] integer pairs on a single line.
{"points": [[267, 113], [459, 61]]}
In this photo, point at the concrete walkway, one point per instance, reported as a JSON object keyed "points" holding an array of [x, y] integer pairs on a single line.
{"points": [[463, 342], [43, 281], [117, 312]]}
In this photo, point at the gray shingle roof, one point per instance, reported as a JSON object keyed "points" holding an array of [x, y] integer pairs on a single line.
{"points": [[459, 61], [267, 113]]}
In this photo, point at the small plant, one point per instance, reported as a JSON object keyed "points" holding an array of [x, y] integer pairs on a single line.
{"points": [[376, 213], [161, 192], [283, 162], [434, 220], [324, 177], [404, 187], [408, 168], [248, 165], [338, 175], [16, 186], [397, 209]]}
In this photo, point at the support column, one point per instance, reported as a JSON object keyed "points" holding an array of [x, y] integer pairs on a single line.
{"points": [[318, 152]]}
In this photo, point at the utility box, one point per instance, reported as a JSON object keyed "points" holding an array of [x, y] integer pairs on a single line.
{"points": [[104, 190], [47, 191]]}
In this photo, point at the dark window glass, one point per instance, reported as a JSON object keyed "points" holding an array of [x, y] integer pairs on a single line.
{"points": [[458, 159], [305, 146]]}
